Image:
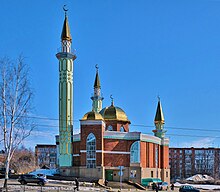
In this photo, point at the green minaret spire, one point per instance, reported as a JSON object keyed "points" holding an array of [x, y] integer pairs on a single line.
{"points": [[97, 81], [159, 121], [66, 58], [97, 98]]}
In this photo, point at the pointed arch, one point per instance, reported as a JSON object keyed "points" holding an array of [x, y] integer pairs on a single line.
{"points": [[91, 151]]}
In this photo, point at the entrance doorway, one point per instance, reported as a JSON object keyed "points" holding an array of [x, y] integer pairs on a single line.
{"points": [[109, 175]]}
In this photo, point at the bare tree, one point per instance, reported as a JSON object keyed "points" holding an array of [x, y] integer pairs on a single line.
{"points": [[23, 160], [15, 106]]}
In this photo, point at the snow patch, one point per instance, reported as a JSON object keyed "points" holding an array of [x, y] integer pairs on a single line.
{"points": [[200, 177], [205, 187]]}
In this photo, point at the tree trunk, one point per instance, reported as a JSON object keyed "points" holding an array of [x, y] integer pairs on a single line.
{"points": [[5, 183], [6, 171]]}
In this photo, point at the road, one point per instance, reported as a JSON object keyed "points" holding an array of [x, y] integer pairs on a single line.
{"points": [[53, 186]]}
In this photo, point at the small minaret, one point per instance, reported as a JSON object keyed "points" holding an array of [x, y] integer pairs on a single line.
{"points": [[97, 97], [159, 121], [66, 58]]}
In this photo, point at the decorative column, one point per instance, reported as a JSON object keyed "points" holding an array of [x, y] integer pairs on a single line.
{"points": [[66, 58]]}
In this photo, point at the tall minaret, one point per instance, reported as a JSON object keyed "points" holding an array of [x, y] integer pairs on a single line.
{"points": [[97, 98], [66, 58], [159, 121]]}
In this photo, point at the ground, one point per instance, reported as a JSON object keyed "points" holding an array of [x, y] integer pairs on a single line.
{"points": [[63, 186]]}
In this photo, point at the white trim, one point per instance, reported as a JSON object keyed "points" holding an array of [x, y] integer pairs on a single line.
{"points": [[76, 155], [92, 122], [165, 141], [117, 152], [109, 152], [150, 139]]}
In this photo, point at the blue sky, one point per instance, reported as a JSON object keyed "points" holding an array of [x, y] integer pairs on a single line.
{"points": [[143, 48]]}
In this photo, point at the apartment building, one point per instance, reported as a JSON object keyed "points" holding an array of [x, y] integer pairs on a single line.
{"points": [[46, 155], [185, 162]]}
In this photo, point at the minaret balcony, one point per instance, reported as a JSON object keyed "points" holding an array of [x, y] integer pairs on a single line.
{"points": [[66, 55], [94, 97]]}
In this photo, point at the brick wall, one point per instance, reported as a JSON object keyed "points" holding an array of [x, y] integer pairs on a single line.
{"points": [[115, 160], [143, 154], [117, 125], [117, 146], [164, 157], [98, 131]]}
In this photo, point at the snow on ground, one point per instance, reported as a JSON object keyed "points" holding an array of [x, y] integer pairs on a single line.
{"points": [[50, 188], [198, 186], [69, 182], [200, 177]]}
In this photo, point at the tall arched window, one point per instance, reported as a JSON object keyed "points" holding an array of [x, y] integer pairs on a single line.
{"points": [[91, 151], [135, 152]]}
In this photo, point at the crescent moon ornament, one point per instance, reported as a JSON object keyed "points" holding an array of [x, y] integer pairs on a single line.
{"points": [[112, 99], [65, 9], [158, 97], [97, 67]]}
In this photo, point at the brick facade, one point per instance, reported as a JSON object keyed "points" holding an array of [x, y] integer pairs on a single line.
{"points": [[113, 149]]}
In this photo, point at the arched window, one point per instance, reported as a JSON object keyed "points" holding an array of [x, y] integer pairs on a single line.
{"points": [[91, 151], [109, 128], [122, 129], [135, 152]]}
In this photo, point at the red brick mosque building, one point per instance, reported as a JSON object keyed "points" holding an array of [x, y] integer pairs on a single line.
{"points": [[105, 141]]}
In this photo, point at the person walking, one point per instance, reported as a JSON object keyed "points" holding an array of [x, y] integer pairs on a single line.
{"points": [[153, 186], [172, 187], [106, 182], [77, 184], [157, 187]]}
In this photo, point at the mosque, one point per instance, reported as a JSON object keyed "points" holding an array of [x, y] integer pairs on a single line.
{"points": [[105, 148]]}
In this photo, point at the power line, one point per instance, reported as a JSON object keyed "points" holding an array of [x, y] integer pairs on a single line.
{"points": [[134, 125], [193, 136], [178, 135], [179, 128]]}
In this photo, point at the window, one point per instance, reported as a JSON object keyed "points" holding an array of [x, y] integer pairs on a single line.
{"points": [[135, 152], [91, 151], [109, 128], [133, 174], [156, 155], [122, 129], [152, 174]]}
